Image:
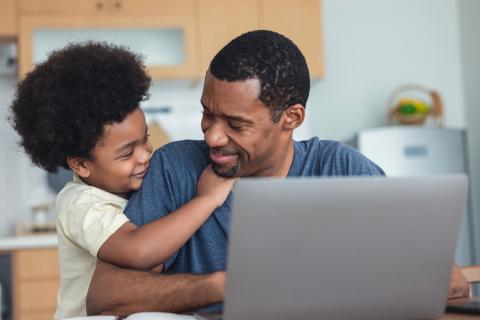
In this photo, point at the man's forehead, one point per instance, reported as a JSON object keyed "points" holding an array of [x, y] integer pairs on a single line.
{"points": [[213, 87]]}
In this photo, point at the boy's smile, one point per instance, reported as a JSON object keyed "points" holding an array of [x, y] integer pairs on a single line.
{"points": [[120, 159]]}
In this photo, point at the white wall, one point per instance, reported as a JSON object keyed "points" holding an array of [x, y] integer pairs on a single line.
{"points": [[470, 27], [373, 46], [22, 185]]}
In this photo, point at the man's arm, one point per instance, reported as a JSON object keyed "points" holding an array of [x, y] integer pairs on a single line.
{"points": [[123, 291]]}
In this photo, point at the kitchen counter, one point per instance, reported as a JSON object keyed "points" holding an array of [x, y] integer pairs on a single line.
{"points": [[28, 242]]}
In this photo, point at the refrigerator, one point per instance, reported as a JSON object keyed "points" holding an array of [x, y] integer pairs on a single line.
{"points": [[415, 151]]}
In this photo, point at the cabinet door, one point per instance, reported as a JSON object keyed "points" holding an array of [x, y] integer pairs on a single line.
{"points": [[219, 22], [31, 264], [154, 7], [76, 7], [8, 18], [300, 20], [62, 6], [36, 280], [143, 32]]}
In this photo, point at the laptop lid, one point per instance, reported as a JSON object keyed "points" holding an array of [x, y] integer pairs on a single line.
{"points": [[342, 248]]}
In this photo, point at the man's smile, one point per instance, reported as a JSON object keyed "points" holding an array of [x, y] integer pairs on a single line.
{"points": [[223, 156]]}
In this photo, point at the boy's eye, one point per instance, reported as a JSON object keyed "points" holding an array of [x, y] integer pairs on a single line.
{"points": [[146, 137], [127, 155]]}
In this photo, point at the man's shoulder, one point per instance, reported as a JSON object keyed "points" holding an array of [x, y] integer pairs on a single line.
{"points": [[170, 181], [326, 148], [336, 158], [179, 154], [183, 148]]}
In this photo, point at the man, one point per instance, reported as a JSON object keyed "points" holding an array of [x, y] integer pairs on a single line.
{"points": [[254, 96]]}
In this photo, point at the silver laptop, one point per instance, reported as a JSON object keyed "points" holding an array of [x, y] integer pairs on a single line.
{"points": [[343, 248]]}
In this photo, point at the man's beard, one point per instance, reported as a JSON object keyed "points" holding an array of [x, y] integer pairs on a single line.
{"points": [[229, 172]]}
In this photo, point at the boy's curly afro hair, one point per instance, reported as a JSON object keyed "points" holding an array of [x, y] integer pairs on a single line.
{"points": [[61, 107]]}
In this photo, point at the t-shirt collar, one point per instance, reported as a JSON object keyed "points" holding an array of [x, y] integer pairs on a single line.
{"points": [[297, 162]]}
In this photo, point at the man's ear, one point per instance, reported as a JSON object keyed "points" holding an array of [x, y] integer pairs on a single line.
{"points": [[294, 116], [79, 166]]}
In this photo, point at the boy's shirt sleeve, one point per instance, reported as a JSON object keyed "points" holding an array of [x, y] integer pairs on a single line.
{"points": [[91, 220]]}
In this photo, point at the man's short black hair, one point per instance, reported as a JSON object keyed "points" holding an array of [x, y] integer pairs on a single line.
{"points": [[271, 58], [61, 107]]}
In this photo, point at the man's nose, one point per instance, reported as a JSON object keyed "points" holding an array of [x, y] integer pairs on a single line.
{"points": [[215, 136]]}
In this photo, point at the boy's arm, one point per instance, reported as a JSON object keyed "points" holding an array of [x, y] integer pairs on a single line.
{"points": [[122, 292], [150, 245]]}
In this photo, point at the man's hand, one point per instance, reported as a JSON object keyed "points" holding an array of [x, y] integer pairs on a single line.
{"points": [[459, 287]]}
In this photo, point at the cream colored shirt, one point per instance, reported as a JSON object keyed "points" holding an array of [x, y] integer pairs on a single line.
{"points": [[86, 217]]}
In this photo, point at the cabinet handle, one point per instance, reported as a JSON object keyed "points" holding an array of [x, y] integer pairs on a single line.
{"points": [[99, 5], [117, 5]]}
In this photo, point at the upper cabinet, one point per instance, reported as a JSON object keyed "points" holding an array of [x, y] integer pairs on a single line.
{"points": [[164, 31], [222, 20], [301, 22], [150, 7], [177, 38], [8, 19]]}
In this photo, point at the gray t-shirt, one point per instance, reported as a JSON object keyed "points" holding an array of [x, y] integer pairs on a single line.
{"points": [[171, 182]]}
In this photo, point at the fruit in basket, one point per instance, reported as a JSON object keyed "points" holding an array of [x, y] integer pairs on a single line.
{"points": [[412, 106], [407, 105]]}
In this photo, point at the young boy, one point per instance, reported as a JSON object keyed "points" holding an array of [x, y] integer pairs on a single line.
{"points": [[80, 110]]}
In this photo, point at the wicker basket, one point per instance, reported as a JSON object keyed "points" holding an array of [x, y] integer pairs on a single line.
{"points": [[435, 111]]}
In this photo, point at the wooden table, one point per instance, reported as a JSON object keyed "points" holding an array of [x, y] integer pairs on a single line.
{"points": [[454, 316]]}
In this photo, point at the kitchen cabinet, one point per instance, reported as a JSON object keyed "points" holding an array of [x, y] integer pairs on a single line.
{"points": [[8, 19], [179, 37], [36, 280], [301, 22], [148, 7], [88, 19], [222, 20]]}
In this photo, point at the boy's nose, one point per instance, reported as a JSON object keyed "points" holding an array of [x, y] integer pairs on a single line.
{"points": [[145, 154]]}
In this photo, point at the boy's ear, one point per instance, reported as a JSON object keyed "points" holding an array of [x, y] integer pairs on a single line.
{"points": [[79, 166], [294, 116]]}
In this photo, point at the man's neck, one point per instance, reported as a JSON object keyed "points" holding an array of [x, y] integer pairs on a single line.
{"points": [[281, 165]]}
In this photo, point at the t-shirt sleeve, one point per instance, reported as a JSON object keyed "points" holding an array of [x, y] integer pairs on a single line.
{"points": [[91, 223]]}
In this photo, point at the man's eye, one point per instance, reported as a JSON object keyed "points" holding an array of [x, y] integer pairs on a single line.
{"points": [[236, 127]]}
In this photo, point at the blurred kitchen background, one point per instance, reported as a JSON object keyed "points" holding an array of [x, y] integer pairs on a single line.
{"points": [[359, 52]]}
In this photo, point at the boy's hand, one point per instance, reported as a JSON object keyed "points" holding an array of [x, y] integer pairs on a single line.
{"points": [[214, 187]]}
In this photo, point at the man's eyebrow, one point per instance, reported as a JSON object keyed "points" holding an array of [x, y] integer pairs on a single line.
{"points": [[230, 117], [238, 118]]}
